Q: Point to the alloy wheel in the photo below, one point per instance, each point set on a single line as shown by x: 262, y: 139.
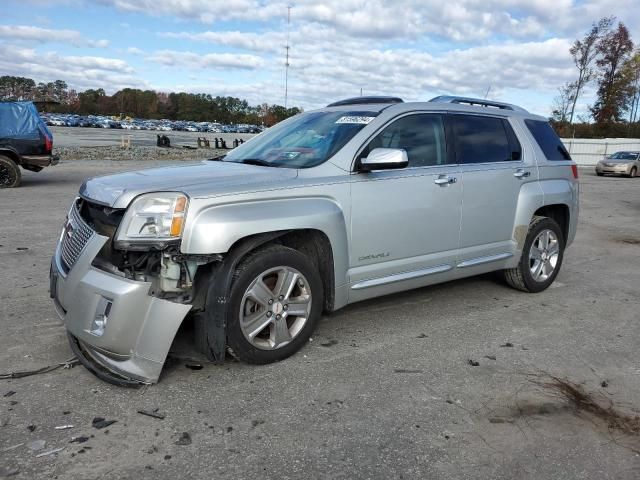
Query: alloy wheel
x: 275, y: 308
x: 543, y: 255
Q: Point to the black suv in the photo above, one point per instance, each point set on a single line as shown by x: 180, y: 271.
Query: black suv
x: 25, y: 141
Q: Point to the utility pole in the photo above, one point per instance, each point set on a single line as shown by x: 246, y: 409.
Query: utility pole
x: 286, y: 64
x: 487, y: 92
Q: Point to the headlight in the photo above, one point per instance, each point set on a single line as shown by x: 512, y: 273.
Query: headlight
x: 154, y: 219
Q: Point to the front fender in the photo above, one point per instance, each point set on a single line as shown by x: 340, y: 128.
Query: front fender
x: 214, y: 229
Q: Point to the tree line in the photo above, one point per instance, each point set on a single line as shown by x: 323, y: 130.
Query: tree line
x: 604, y: 58
x: 57, y: 97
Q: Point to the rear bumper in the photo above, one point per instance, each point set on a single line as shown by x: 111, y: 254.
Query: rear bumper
x: 40, y: 160
x: 139, y: 327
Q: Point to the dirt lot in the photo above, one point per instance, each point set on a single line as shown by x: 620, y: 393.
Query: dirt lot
x: 384, y: 390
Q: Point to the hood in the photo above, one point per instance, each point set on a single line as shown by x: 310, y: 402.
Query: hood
x: 208, y: 178
x: 617, y: 160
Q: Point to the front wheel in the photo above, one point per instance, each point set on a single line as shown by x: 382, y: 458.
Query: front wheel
x: 541, y: 257
x: 276, y: 300
x: 633, y: 172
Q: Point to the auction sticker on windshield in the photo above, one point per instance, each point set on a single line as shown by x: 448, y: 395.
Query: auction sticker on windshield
x: 355, y: 119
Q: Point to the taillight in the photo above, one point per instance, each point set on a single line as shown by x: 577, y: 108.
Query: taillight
x: 48, y: 143
x: 574, y: 169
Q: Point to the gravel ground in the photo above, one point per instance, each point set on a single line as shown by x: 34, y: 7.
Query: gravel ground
x: 136, y: 153
x: 92, y: 137
x: 384, y: 390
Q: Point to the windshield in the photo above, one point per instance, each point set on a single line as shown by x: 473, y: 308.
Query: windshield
x: 624, y: 156
x: 306, y: 140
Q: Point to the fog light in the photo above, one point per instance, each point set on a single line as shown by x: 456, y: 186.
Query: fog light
x: 101, y: 317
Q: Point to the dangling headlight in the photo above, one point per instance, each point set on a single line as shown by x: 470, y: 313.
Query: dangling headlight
x: 152, y: 220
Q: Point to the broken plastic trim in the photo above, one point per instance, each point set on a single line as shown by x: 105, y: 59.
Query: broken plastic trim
x: 98, y: 370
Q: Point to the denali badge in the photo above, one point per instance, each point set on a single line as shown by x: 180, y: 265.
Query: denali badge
x: 373, y: 256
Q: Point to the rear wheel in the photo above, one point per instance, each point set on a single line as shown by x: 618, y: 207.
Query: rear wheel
x: 10, y: 174
x: 276, y: 300
x: 600, y: 174
x: 541, y: 257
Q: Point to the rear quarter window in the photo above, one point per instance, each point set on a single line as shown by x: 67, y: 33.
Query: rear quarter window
x: 547, y: 139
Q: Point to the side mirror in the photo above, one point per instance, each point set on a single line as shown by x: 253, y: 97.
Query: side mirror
x: 384, y: 159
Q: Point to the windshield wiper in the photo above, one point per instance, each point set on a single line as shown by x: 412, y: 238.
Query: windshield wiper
x: 219, y: 158
x: 255, y: 161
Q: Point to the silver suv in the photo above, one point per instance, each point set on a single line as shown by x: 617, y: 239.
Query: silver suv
x: 367, y: 197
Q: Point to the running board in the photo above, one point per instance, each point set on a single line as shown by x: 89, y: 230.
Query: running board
x: 400, y: 277
x: 481, y: 260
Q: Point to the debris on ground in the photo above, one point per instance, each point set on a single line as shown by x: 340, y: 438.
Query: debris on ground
x: 99, y: 422
x: 582, y: 401
x: 490, y: 357
x: 50, y: 452
x: 473, y: 363
x: 330, y: 343
x: 604, y: 384
x: 152, y: 413
x: 37, y: 445
x: 50, y: 368
x: 31, y: 428
x: 80, y: 439
x: 185, y: 439
x: 508, y: 344
x: 12, y: 447
x: 404, y: 370
x: 9, y: 393
x: 63, y: 427
x: 422, y: 335
x: 194, y: 366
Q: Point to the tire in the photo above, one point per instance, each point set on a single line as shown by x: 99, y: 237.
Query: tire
x: 600, y: 174
x: 10, y: 175
x: 272, y: 267
x: 546, y: 267
x: 633, y: 172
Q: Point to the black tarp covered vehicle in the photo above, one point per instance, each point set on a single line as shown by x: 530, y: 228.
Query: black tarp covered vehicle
x: 25, y: 141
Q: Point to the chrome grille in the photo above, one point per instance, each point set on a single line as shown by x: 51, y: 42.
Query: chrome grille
x: 75, y: 236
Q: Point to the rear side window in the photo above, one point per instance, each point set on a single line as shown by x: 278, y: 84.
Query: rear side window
x: 421, y: 136
x: 479, y: 139
x: 547, y: 139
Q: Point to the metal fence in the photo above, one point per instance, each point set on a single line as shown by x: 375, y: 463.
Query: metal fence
x: 586, y: 151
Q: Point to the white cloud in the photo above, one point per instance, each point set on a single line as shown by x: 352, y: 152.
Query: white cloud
x: 196, y: 61
x: 47, y: 35
x: 80, y: 72
x: 135, y: 51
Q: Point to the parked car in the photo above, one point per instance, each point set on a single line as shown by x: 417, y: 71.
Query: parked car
x: 620, y: 163
x: 367, y: 197
x: 25, y: 141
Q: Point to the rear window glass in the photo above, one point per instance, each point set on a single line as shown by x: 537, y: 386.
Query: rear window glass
x: 482, y: 139
x: 547, y: 139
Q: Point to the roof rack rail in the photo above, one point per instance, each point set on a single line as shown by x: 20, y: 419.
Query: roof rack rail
x: 365, y: 101
x: 478, y: 102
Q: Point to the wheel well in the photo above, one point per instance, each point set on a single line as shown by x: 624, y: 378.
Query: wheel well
x: 313, y: 243
x: 12, y: 155
x: 559, y: 213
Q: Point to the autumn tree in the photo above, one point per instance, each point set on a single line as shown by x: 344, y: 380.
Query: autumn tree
x: 584, y: 52
x: 614, y: 49
x: 631, y: 73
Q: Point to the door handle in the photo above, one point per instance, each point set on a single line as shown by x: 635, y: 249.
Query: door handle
x: 445, y: 180
x: 521, y: 174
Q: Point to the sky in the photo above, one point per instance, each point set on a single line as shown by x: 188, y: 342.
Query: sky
x: 517, y: 51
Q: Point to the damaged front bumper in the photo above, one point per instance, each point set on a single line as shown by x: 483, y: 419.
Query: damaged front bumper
x: 116, y: 328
